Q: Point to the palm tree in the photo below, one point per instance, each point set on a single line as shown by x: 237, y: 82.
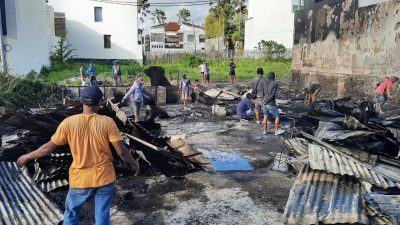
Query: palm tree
x: 143, y: 9
x: 158, y: 16
x: 184, y: 15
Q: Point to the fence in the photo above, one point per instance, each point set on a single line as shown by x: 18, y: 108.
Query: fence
x: 169, y: 57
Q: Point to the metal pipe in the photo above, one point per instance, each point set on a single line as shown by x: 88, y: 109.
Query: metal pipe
x: 3, y: 55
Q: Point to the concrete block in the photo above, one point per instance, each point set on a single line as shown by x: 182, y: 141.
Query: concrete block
x: 218, y: 110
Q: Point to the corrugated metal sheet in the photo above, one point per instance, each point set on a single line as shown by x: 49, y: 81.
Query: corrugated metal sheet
x: 322, y: 158
x: 317, y: 196
x: 389, y: 205
x: 21, y: 202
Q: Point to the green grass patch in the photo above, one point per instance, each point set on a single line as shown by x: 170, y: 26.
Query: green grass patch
x: 219, y: 70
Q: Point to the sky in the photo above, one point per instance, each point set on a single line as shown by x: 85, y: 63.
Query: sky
x: 198, y: 12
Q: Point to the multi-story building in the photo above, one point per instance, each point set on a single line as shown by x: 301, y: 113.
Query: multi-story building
x: 270, y: 20
x: 176, y: 37
x: 101, y: 30
x: 26, y: 35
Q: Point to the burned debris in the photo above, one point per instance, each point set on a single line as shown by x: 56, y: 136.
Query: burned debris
x: 348, y: 161
x: 169, y: 156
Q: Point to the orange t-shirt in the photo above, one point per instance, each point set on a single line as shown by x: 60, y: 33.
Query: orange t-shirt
x: 383, y: 86
x: 88, y: 136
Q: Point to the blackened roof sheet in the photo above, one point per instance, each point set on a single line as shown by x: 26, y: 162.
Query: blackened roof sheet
x: 21, y: 202
x: 318, y: 196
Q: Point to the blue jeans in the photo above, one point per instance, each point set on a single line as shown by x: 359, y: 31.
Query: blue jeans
x: 271, y: 109
x: 249, y: 113
x: 102, y: 200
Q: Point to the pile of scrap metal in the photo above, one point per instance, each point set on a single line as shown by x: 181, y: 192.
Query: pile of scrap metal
x: 172, y: 157
x: 349, y: 171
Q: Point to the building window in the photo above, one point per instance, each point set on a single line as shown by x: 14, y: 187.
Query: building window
x: 295, y: 5
x: 202, y: 38
x: 98, y: 14
x: 107, y: 41
x: 191, y: 38
x: 59, y: 24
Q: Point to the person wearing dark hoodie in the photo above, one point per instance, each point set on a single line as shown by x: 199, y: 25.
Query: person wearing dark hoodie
x: 257, y: 86
x: 270, y: 89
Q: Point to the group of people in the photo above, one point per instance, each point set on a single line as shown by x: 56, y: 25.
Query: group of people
x: 89, y: 76
x: 185, y: 86
x: 262, y: 99
x: 205, y: 72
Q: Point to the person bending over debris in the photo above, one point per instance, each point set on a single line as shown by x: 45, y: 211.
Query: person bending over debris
x: 245, y: 108
x: 270, y: 89
x: 257, y: 86
x: 184, y: 87
x: 384, y: 92
x: 232, y: 74
x: 311, y: 92
x: 137, y: 96
x: 117, y: 73
x: 92, y: 172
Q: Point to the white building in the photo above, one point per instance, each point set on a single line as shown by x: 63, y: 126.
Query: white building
x: 270, y: 20
x: 176, y: 37
x: 27, y: 35
x: 100, y: 30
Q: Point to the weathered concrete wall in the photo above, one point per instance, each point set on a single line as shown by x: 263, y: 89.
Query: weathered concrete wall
x: 346, y: 48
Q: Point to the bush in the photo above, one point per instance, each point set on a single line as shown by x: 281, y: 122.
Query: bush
x: 17, y: 93
x: 191, y: 61
x: 44, y: 71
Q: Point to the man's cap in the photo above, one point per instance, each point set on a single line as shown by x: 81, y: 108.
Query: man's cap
x: 91, y: 95
x: 394, y: 78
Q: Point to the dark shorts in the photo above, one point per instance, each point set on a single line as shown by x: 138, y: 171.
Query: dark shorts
x: 232, y: 73
x: 207, y: 76
x: 268, y: 109
x: 136, y: 106
x: 381, y: 98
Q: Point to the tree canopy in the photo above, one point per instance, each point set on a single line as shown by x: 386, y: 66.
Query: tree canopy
x: 184, y: 15
x: 226, y: 19
x: 159, y: 16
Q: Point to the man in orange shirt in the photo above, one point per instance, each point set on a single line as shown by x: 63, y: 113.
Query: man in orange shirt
x: 92, y: 171
x: 384, y: 91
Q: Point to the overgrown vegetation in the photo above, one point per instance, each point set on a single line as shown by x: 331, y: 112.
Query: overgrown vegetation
x: 188, y: 64
x: 272, y: 49
x: 27, y: 92
x: 61, y: 53
x: 191, y: 60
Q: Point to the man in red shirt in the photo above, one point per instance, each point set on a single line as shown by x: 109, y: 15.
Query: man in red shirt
x: 384, y: 91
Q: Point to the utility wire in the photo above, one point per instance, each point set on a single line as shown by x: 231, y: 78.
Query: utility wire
x: 172, y: 4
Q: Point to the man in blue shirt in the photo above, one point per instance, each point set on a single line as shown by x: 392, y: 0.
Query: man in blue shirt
x: 117, y: 73
x: 137, y: 94
x: 245, y: 108
x: 92, y: 73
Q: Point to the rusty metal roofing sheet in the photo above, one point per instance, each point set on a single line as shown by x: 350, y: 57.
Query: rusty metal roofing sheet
x: 389, y: 205
x: 320, y: 197
x: 322, y: 158
x: 21, y: 202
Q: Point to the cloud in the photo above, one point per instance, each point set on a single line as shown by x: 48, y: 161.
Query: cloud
x: 198, y: 12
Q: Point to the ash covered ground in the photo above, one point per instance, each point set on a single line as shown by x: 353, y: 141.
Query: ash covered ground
x: 248, y: 192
